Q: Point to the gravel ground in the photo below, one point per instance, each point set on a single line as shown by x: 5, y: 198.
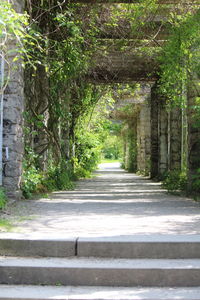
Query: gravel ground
x: 113, y: 203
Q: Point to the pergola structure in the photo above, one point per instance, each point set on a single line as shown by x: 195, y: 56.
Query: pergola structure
x: 133, y: 64
x: 160, y: 134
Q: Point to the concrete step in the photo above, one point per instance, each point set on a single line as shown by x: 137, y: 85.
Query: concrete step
x: 100, y: 272
x: 154, y: 246
x: 16, y: 292
x: 38, y: 247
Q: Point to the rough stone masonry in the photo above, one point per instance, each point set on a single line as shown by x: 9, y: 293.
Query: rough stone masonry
x: 13, y: 120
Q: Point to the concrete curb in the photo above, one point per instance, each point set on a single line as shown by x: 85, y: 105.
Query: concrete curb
x: 118, y: 247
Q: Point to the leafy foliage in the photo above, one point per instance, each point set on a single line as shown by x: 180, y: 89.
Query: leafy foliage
x: 196, y: 182
x: 11, y: 24
x: 63, y: 135
x: 3, y: 198
x: 31, y: 180
x: 181, y: 56
x: 58, y: 178
x: 175, y: 181
x: 111, y: 148
x: 179, y: 82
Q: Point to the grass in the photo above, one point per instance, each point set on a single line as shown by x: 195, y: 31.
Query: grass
x: 26, y: 218
x: 5, y: 225
x: 103, y: 161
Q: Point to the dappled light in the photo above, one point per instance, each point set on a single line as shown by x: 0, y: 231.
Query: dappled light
x: 100, y: 149
x: 114, y: 203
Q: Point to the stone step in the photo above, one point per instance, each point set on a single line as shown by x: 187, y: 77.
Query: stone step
x: 154, y: 246
x: 100, y: 272
x: 17, y: 292
x: 38, y: 247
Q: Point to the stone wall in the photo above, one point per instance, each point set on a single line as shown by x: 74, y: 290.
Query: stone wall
x: 13, y: 120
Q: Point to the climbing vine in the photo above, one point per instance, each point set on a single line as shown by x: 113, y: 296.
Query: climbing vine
x: 63, y: 41
x: 179, y: 82
x: 60, y: 42
x: 180, y: 56
x: 11, y: 24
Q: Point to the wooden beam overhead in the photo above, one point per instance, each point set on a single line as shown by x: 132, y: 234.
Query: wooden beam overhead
x: 100, y: 76
x: 151, y: 30
x: 116, y: 44
x: 119, y: 67
x: 112, y: 66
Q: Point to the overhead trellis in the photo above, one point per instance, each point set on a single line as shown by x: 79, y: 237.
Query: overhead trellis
x: 78, y: 50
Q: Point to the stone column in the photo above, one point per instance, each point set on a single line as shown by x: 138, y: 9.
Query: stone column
x: 143, y: 139
x: 163, y: 139
x: 37, y: 104
x: 154, y: 132
x: 125, y: 151
x: 13, y: 146
x: 175, y: 139
x: 140, y: 146
x: 193, y: 133
x: 131, y: 146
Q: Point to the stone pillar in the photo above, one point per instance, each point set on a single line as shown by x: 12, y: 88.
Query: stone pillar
x: 131, y: 146
x: 125, y: 151
x: 140, y: 145
x: 163, y: 139
x: 154, y: 132
x: 193, y: 133
x: 175, y: 139
x: 159, y: 134
x: 143, y: 139
x: 13, y: 121
x: 37, y: 104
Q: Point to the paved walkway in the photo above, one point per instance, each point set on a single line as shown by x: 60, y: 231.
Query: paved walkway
x: 114, y: 203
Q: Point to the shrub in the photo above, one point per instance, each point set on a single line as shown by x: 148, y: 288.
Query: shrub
x: 88, y: 154
x: 3, y: 198
x: 59, y: 178
x: 30, y: 181
x: 175, y: 181
x: 80, y: 172
x: 196, y: 182
x: 56, y: 178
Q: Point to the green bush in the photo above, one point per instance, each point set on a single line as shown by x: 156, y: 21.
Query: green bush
x: 196, y: 182
x: 59, y: 178
x: 175, y: 181
x: 30, y: 181
x: 112, y: 148
x: 3, y: 198
x: 88, y: 154
x: 56, y: 178
x: 80, y: 172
